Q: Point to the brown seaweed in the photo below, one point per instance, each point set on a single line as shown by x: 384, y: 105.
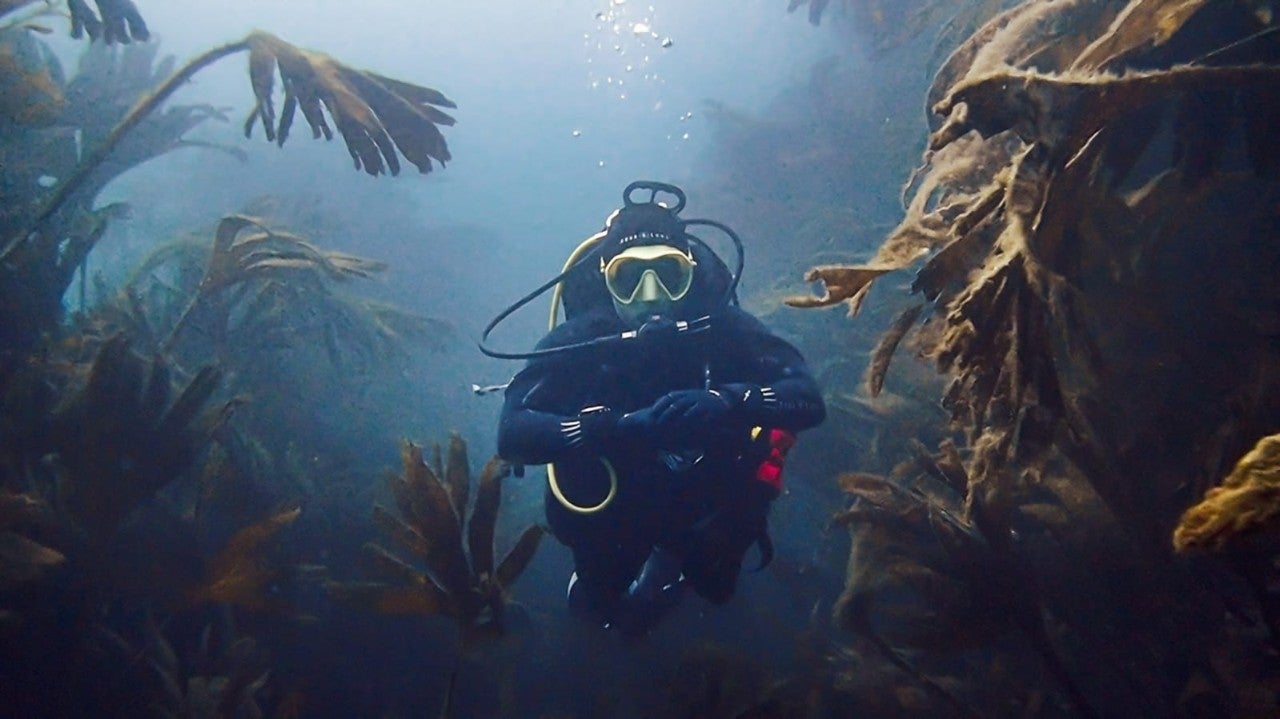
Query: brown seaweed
x: 125, y: 434
x: 239, y: 574
x: 238, y: 257
x: 1246, y: 503
x: 842, y: 284
x: 376, y: 115
x: 1031, y: 106
x: 116, y: 21
x: 883, y: 353
x: 1088, y: 215
x: 924, y: 579
x: 883, y: 517
x: 463, y: 584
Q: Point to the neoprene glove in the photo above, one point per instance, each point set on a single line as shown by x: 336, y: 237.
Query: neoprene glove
x: 684, y: 418
x: 595, y: 428
x: 689, y: 409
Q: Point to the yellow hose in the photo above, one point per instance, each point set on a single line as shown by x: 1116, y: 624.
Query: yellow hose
x: 574, y: 256
x: 559, y: 495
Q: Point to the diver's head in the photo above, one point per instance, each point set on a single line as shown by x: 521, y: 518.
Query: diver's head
x: 647, y: 263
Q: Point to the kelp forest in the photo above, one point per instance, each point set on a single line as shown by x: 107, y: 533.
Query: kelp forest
x: 1024, y: 247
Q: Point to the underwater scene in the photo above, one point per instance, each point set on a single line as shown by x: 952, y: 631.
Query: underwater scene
x: 640, y: 359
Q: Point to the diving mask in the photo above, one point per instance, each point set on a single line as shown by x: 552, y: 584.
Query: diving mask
x: 649, y: 273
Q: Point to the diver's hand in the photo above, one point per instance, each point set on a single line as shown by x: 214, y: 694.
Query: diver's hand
x: 690, y: 409
x: 595, y: 428
x: 684, y: 419
x: 637, y: 424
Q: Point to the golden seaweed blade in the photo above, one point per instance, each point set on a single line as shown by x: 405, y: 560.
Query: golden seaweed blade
x: 461, y: 583
x: 882, y: 355
x: 841, y: 283
x: 1244, y: 506
x: 241, y: 573
x: 375, y: 115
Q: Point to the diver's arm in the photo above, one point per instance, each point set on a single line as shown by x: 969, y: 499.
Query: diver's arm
x: 528, y: 435
x: 784, y: 394
x: 792, y: 401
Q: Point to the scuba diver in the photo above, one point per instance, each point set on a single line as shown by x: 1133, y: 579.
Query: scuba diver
x: 662, y: 410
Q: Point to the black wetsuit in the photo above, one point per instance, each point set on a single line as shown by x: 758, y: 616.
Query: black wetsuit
x: 710, y: 510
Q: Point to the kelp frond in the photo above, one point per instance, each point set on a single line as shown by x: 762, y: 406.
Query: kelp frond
x: 245, y: 250
x: 842, y: 283
x: 1247, y: 502
x: 1045, y: 111
x: 116, y: 21
x: 376, y: 115
x: 461, y: 583
x: 926, y: 576
x: 126, y: 434
x: 237, y: 257
x: 883, y: 352
x: 240, y: 573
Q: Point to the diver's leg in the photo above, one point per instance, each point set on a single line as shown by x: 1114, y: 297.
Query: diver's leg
x: 715, y: 548
x: 608, y: 548
x: 659, y: 585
